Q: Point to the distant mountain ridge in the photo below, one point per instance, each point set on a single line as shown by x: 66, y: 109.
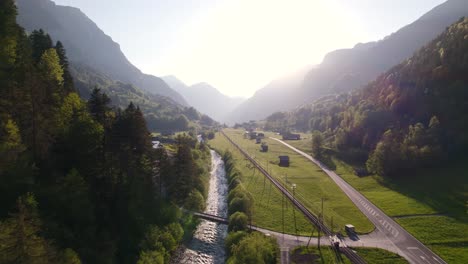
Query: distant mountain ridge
x: 205, y: 98
x: 87, y: 44
x: 348, y: 69
x: 275, y: 96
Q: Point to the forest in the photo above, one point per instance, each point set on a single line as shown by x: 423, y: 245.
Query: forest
x: 80, y: 181
x: 408, y: 118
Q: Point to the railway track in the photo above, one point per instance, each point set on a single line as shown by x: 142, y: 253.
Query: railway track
x: 349, y: 253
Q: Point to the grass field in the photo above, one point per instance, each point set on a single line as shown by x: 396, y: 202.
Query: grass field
x: 380, y: 256
x: 267, y: 206
x: 312, y: 184
x: 301, y: 255
x: 444, y: 235
x: 443, y: 190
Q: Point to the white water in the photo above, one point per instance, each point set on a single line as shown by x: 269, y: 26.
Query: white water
x: 207, y: 245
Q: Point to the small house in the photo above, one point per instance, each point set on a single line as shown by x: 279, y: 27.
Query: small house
x: 284, y: 161
x: 258, y: 140
x: 253, y: 135
x: 264, y: 147
x: 361, y: 172
x: 291, y: 136
x: 260, y: 135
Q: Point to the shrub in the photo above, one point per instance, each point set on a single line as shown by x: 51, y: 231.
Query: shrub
x: 238, y: 222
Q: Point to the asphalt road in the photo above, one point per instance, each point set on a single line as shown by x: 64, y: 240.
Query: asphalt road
x: 407, y: 246
x: 353, y: 256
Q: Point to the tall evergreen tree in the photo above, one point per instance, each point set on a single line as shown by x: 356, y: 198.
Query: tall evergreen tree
x: 99, y: 106
x: 20, y: 241
x: 67, y: 78
x: 40, y: 43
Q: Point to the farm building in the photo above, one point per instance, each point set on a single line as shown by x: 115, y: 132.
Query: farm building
x: 258, y: 140
x: 284, y: 161
x: 291, y: 136
x: 264, y: 147
x: 253, y: 135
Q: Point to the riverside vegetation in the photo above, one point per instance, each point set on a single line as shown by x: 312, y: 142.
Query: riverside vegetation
x: 242, y: 245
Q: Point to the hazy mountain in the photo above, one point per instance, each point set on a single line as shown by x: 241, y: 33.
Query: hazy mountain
x: 348, y: 69
x: 87, y: 44
x: 410, y: 116
x: 205, y: 98
x: 278, y: 95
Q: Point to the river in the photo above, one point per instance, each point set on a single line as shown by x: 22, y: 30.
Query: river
x: 207, y: 245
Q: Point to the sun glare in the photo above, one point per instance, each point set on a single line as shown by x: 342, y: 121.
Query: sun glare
x: 248, y: 42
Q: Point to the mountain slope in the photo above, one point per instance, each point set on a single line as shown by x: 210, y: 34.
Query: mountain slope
x: 278, y: 95
x: 348, y: 69
x: 410, y: 125
x: 205, y: 98
x: 420, y: 103
x: 87, y: 44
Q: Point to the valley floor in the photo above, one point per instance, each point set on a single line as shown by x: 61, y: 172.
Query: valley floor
x: 433, y: 206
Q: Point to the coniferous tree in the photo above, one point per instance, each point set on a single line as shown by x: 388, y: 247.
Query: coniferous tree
x: 67, y: 78
x: 20, y: 241
x: 40, y: 43
x: 99, y: 106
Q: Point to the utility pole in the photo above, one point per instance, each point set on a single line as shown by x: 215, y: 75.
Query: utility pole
x: 294, y: 210
x: 282, y: 212
x: 320, y: 223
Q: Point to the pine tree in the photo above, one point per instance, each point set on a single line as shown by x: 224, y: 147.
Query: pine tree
x: 8, y: 31
x: 40, y: 43
x: 19, y: 236
x: 99, y: 107
x: 67, y: 78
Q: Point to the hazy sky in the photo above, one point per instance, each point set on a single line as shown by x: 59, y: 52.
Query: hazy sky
x: 238, y: 46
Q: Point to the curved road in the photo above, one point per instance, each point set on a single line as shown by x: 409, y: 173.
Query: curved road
x: 407, y: 245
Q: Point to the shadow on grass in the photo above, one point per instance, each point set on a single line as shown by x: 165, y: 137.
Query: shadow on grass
x: 444, y: 188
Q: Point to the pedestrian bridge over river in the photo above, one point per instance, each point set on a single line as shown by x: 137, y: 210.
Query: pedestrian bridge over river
x: 210, y: 217
x: 225, y: 221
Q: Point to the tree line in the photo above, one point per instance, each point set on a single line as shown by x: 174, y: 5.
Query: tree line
x: 242, y: 245
x: 80, y: 181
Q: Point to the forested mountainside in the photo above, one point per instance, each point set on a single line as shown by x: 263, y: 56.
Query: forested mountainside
x: 88, y: 45
x: 80, y: 182
x: 161, y: 113
x: 205, y: 98
x: 408, y: 117
x: 96, y: 61
x: 348, y: 69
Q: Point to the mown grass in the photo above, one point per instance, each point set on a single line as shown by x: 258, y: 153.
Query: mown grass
x: 325, y: 255
x: 303, y: 255
x: 446, y: 236
x: 268, y: 201
x: 312, y: 184
x: 380, y: 256
x: 441, y: 190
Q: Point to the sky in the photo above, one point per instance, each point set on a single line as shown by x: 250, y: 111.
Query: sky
x: 239, y: 46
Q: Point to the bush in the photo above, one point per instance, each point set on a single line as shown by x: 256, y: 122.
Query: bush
x: 239, y: 204
x: 195, y: 201
x: 152, y: 257
x: 254, y: 249
x: 232, y: 239
x: 158, y: 243
x: 238, y: 222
